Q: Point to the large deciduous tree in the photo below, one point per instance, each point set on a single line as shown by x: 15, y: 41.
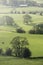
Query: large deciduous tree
x: 19, y: 44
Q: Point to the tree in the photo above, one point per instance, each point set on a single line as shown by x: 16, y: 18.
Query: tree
x: 27, y: 19
x: 8, y: 20
x: 41, y: 13
x: 18, y: 45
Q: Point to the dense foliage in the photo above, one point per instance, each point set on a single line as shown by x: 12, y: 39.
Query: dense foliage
x: 37, y: 29
x: 19, y: 44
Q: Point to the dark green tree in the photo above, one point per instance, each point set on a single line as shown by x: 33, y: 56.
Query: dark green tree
x: 18, y: 45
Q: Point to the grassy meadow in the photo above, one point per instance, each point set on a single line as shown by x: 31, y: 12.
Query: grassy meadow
x: 35, y: 41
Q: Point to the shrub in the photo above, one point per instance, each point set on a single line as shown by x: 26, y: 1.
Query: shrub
x: 26, y: 53
x: 39, y: 32
x: 20, y: 31
x: 1, y: 51
x: 2, y: 42
x: 32, y: 31
x: 8, y: 52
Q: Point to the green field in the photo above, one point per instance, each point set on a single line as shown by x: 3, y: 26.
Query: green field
x: 18, y: 19
x: 29, y: 9
x: 5, y: 9
x: 18, y: 61
x: 35, y: 41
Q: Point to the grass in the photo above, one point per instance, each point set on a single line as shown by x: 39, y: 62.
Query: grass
x: 5, y: 9
x: 35, y: 41
x: 18, y: 19
x: 18, y: 61
x: 29, y: 9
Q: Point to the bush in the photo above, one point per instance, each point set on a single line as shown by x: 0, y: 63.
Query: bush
x: 37, y: 29
x: 36, y: 32
x: 2, y: 42
x: 39, y: 32
x: 20, y: 31
x: 8, y: 52
x: 26, y: 53
x: 32, y: 31
x: 1, y: 51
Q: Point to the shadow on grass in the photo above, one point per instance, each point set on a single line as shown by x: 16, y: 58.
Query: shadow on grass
x: 36, y: 58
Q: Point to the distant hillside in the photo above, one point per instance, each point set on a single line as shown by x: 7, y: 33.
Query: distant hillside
x: 17, y: 3
x: 40, y: 1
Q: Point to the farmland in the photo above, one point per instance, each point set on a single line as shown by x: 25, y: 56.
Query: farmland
x: 35, y: 41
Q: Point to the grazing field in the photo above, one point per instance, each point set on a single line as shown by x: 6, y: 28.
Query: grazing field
x: 19, y: 20
x: 18, y: 61
x: 35, y: 42
x: 7, y: 33
x: 29, y: 9
x: 5, y: 9
x: 35, y: 45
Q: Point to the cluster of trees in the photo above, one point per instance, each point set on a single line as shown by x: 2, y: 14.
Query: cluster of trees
x: 27, y: 12
x: 19, y: 48
x: 6, y: 20
x: 27, y: 19
x: 37, y: 29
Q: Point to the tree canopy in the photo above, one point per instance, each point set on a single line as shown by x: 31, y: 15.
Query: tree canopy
x: 18, y: 44
x: 6, y: 20
x: 27, y: 19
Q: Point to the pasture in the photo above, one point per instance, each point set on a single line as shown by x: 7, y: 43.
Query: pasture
x: 35, y: 45
x: 18, y: 61
x: 35, y: 41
